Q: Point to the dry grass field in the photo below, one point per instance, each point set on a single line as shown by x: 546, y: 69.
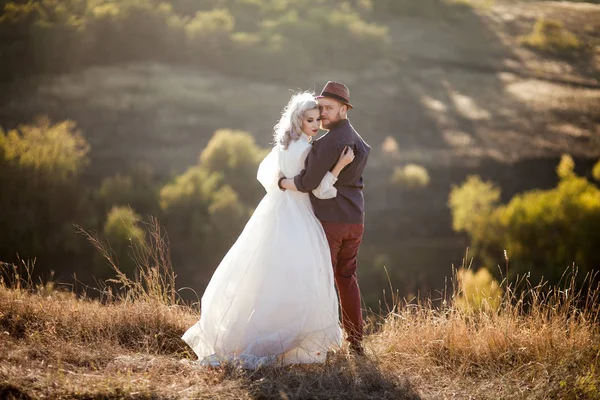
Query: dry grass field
x: 533, y: 342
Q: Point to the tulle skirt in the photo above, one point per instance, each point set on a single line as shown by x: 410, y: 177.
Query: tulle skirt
x: 272, y: 300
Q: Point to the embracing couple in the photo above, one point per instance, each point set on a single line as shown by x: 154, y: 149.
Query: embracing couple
x: 272, y: 299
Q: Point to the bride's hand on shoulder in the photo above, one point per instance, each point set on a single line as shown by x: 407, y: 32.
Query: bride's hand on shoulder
x: 346, y: 157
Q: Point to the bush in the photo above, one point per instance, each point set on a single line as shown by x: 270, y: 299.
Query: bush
x: 543, y: 231
x: 471, y: 205
x: 411, y: 176
x: 596, y: 171
x: 39, y: 169
x: 250, y: 38
x: 236, y: 156
x: 125, y: 238
x: 477, y: 291
x: 551, y: 37
x: 390, y: 149
x: 135, y: 189
x: 203, y: 217
x: 131, y: 30
x: 206, y: 207
x: 209, y: 36
x: 56, y: 151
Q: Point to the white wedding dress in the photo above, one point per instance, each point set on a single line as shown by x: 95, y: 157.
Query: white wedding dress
x: 272, y: 299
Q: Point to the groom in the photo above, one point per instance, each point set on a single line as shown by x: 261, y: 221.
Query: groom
x: 343, y: 216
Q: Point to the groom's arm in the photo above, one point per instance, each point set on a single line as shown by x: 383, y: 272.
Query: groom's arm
x: 321, y: 159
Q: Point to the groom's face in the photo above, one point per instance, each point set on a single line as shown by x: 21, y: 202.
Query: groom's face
x: 332, y: 112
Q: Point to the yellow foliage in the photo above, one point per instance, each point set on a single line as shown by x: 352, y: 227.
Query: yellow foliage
x: 207, y: 23
x: 58, y: 150
x: 550, y: 36
x: 412, y: 176
x: 566, y: 166
x: 122, y: 224
x: 125, y: 237
x: 588, y: 385
x: 195, y: 186
x: 542, y: 230
x: 596, y: 171
x: 236, y: 156
x: 477, y: 291
x: 471, y: 203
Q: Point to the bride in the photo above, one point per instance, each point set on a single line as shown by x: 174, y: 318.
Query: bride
x: 272, y: 300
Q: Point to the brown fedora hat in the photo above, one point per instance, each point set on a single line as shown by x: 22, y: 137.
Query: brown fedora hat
x: 337, y: 91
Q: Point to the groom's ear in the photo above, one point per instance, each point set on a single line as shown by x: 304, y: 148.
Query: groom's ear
x: 344, y: 110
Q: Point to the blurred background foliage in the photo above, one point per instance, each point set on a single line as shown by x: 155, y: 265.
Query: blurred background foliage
x: 237, y: 36
x: 542, y: 230
x: 76, y: 170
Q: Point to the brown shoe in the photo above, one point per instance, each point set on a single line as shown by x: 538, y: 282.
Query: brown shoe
x: 356, y: 349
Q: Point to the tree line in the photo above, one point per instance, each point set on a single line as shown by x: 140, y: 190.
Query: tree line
x: 45, y: 199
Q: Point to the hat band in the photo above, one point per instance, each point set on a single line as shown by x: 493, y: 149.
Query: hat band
x: 334, y: 96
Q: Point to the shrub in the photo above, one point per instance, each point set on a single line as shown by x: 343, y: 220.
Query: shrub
x: 551, y: 37
x: 236, y: 156
x: 203, y: 217
x: 57, y: 151
x: 39, y: 169
x: 390, y: 148
x: 543, y: 231
x: 471, y: 205
x: 125, y: 237
x: 135, y: 189
x: 477, y: 291
x: 596, y: 171
x: 243, y: 37
x: 209, y: 35
x: 411, y: 176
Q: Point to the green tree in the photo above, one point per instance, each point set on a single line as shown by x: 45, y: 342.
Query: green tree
x: 203, y: 217
x: 543, y: 231
x: 236, y: 156
x: 42, y: 199
x: 136, y: 189
x: 471, y: 205
x: 246, y: 37
x: 206, y: 207
x: 125, y: 238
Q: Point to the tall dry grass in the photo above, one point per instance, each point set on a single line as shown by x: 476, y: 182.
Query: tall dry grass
x: 537, y: 342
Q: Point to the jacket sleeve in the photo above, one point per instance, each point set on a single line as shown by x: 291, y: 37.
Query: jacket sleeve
x: 322, y: 158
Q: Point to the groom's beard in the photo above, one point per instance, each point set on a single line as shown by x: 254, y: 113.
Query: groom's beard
x: 330, y: 125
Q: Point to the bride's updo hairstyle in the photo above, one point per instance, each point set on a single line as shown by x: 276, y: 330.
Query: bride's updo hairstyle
x: 289, y: 127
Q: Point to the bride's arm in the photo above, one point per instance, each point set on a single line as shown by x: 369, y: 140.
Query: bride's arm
x: 287, y: 184
x: 326, y: 190
x: 346, y: 158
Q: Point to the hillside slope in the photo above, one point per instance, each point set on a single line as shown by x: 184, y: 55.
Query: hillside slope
x: 454, y: 88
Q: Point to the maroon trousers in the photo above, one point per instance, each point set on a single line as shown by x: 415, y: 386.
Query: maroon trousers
x: 344, y: 240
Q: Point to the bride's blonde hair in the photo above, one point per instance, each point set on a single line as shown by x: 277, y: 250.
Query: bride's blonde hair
x: 289, y: 127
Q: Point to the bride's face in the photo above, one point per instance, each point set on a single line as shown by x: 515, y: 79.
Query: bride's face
x: 310, y: 122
